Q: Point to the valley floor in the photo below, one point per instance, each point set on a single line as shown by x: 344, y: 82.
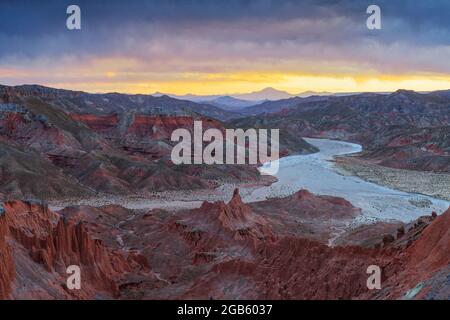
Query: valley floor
x: 436, y: 185
x: 378, y: 203
x: 168, y: 200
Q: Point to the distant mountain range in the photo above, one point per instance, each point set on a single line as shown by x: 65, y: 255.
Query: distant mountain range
x: 83, y: 102
x: 267, y: 94
x: 239, y: 101
x: 232, y: 104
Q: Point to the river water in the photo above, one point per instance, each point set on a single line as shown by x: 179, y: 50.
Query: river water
x: 316, y: 173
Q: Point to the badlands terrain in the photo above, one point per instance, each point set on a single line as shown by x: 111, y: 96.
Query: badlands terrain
x: 86, y: 179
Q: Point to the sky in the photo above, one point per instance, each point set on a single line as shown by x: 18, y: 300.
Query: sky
x: 224, y: 47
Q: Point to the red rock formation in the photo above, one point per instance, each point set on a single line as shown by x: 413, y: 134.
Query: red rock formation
x: 235, y: 220
x: 37, y: 133
x: 56, y: 242
x: 239, y: 218
x: 143, y: 126
x: 426, y: 256
x: 307, y: 215
x: 161, y: 127
x: 102, y: 124
x: 7, y: 269
x: 312, y: 206
x: 298, y: 268
x: 432, y: 250
x: 306, y: 205
x: 315, y: 271
x: 221, y: 250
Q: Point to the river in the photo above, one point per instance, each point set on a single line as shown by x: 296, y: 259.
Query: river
x: 317, y: 173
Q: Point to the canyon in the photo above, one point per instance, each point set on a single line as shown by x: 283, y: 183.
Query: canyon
x: 308, y: 232
x: 221, y: 250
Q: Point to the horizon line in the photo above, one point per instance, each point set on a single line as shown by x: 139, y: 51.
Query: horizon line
x: 313, y: 92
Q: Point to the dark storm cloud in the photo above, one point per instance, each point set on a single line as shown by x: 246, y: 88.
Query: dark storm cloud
x: 217, y: 36
x: 38, y: 27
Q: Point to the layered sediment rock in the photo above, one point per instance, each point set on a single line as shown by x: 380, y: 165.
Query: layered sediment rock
x: 56, y: 243
x: 113, y: 153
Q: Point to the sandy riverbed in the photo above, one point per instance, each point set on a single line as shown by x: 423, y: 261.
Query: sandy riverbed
x: 436, y: 185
